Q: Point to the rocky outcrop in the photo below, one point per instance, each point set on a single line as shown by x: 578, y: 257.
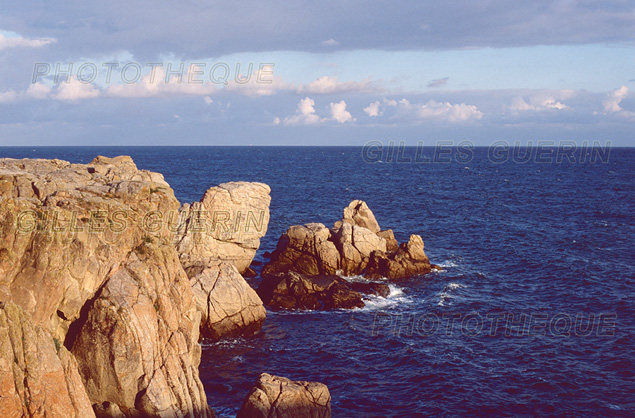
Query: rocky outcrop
x: 355, y: 245
x: 279, y: 397
x: 226, y: 225
x: 230, y: 307
x: 87, y: 253
x: 408, y: 260
x: 38, y: 376
x: 319, y: 292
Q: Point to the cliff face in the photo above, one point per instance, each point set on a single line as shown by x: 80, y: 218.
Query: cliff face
x: 97, y: 309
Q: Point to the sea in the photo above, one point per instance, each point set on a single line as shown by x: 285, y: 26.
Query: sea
x: 532, y: 315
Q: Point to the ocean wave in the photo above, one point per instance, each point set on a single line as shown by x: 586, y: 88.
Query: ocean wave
x: 446, y: 295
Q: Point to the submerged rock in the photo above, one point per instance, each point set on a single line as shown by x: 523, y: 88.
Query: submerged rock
x: 279, y: 397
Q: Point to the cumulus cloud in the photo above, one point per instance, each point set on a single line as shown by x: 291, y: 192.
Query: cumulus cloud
x: 448, y: 112
x: 38, y: 91
x: 305, y: 114
x: 74, y: 90
x: 332, y: 85
x: 536, y: 103
x: 441, y: 82
x: 339, y: 112
x: 613, y: 100
x: 373, y: 109
x: 8, y: 96
x: 20, y: 42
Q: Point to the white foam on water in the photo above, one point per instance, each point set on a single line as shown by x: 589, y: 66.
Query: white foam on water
x: 448, y: 263
x: 394, y: 298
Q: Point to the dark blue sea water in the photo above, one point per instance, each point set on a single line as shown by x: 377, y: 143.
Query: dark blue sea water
x: 534, y: 314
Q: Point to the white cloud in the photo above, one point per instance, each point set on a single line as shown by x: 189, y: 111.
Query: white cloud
x: 8, y: 96
x: 74, y: 90
x: 339, y: 112
x: 20, y: 42
x: 331, y: 85
x: 208, y: 100
x: 154, y: 84
x: 38, y: 91
x: 373, y: 109
x: 541, y: 101
x: 613, y: 100
x: 431, y: 110
x: 448, y: 112
x: 330, y: 42
x: 305, y: 114
x: 261, y: 83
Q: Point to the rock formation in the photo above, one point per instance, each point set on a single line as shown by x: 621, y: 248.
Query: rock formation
x: 229, y: 305
x: 319, y: 292
x: 279, y: 397
x: 355, y: 245
x: 226, y: 225
x: 88, y: 264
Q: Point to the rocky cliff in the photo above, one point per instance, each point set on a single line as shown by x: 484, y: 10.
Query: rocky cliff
x: 97, y: 312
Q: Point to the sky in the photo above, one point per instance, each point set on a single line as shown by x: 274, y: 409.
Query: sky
x: 206, y: 72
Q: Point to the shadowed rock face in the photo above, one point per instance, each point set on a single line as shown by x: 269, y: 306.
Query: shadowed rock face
x: 355, y: 245
x: 279, y: 397
x: 226, y: 225
x: 296, y: 291
x: 87, y: 254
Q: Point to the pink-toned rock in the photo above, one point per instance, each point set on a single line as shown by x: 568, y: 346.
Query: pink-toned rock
x: 356, y: 245
x: 38, y: 376
x: 226, y: 225
x: 137, y: 348
x: 230, y: 307
x: 279, y: 397
x: 409, y: 260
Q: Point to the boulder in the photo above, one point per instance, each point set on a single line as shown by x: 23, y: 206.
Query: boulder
x: 357, y: 213
x: 226, y: 225
x: 279, y: 397
x: 409, y: 260
x: 229, y: 306
x: 317, y: 292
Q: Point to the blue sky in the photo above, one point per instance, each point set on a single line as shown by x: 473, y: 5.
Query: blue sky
x: 203, y: 72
